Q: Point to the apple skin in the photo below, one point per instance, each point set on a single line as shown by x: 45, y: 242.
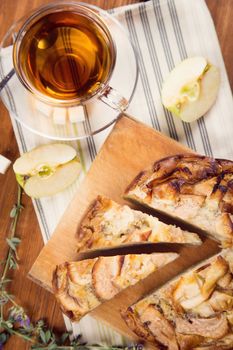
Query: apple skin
x: 190, y: 93
x: 20, y: 179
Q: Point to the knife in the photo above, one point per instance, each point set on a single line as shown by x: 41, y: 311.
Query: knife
x: 137, y: 248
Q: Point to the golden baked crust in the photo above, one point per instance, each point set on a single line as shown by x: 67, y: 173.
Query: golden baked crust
x: 83, y: 285
x: 108, y: 224
x: 196, y: 189
x: 195, y: 311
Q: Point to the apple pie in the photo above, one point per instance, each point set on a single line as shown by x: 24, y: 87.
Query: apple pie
x: 193, y: 188
x: 83, y: 285
x: 194, y: 311
x: 109, y: 224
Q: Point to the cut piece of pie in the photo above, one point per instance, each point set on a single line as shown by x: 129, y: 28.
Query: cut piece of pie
x: 83, y: 285
x: 109, y: 224
x: 194, y: 311
x: 195, y: 189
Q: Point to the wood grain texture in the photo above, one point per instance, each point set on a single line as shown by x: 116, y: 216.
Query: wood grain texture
x: 130, y: 147
x: 26, y: 291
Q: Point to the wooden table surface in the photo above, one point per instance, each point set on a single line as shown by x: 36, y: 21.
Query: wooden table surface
x: 38, y: 302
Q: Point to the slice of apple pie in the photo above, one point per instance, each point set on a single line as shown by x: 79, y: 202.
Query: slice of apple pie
x: 83, y: 285
x: 195, y: 311
x: 196, y: 189
x: 109, y: 224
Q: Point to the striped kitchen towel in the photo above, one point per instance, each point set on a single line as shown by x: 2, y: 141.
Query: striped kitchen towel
x: 164, y: 32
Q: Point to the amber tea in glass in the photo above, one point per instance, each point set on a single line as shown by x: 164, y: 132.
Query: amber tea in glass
x: 64, y: 54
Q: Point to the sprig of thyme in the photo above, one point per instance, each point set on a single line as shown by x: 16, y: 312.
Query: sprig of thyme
x: 17, y: 322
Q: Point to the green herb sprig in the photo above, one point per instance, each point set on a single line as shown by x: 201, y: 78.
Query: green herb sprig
x: 16, y: 321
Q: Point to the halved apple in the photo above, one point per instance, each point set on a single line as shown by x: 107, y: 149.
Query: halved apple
x: 191, y: 88
x: 47, y: 170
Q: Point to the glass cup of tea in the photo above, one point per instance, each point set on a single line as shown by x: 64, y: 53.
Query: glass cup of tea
x: 65, y: 55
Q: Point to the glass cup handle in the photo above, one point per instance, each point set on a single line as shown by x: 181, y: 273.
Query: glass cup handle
x: 113, y: 99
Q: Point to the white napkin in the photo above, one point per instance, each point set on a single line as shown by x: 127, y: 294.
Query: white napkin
x: 164, y: 33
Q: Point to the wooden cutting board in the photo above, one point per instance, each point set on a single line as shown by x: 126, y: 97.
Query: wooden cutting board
x: 131, y: 147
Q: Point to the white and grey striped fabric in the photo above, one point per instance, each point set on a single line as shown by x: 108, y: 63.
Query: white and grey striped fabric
x: 164, y: 32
